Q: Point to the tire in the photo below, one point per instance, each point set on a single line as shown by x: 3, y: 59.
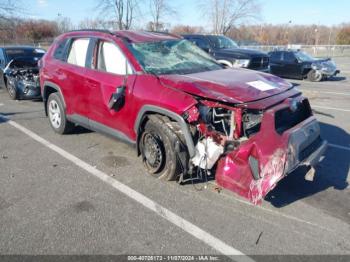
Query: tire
x: 314, y: 76
x: 57, y: 115
x: 12, y: 90
x: 159, y: 145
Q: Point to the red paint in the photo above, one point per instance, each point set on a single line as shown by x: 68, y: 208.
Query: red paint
x: 270, y: 148
x: 229, y: 85
x: 87, y: 92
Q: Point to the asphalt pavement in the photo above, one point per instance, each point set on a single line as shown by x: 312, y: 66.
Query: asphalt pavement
x: 58, y: 195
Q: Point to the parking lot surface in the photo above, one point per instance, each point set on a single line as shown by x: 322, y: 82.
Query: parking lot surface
x: 57, y: 194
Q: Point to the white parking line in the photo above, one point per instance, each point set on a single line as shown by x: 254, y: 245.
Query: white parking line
x: 1, y: 104
x: 331, y: 108
x: 182, y: 223
x: 339, y: 147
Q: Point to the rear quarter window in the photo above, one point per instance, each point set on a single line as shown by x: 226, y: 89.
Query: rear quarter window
x: 59, y: 52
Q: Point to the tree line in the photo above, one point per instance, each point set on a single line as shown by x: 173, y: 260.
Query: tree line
x: 234, y: 18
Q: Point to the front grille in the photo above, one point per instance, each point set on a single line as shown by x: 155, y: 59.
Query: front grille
x: 261, y: 62
x: 286, y: 118
x: 310, y: 149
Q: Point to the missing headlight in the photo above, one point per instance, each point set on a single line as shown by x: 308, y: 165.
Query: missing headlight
x: 251, y: 122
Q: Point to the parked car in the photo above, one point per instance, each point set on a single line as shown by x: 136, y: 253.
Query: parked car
x: 228, y: 53
x: 183, y: 110
x: 19, y: 72
x: 300, y: 65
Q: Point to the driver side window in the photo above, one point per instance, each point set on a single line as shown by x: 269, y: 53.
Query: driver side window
x: 110, y: 59
x: 289, y: 57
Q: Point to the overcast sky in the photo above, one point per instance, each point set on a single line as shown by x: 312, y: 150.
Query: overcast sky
x: 328, y: 12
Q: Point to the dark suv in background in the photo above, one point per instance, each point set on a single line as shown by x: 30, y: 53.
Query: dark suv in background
x: 300, y: 65
x: 228, y: 53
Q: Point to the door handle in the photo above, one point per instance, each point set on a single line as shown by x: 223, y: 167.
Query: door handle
x: 91, y: 83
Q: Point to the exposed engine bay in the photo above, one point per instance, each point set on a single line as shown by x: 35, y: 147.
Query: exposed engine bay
x: 250, y: 150
x: 22, y: 77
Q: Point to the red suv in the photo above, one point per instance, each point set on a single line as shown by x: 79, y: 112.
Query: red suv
x: 186, y: 114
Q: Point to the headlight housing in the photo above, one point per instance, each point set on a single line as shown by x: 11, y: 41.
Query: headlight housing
x: 241, y: 63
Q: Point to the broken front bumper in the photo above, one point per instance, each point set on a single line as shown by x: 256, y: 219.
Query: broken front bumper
x: 28, y: 89
x: 255, y: 167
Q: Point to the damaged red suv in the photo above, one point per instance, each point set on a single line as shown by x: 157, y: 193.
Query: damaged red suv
x: 182, y: 109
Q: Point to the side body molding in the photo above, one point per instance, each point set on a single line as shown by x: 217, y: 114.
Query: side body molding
x: 184, y: 127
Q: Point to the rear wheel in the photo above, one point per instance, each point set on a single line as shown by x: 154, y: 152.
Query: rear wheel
x: 314, y: 76
x: 57, y: 115
x: 158, y: 144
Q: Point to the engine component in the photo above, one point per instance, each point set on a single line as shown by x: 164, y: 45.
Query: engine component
x: 219, y: 119
x: 207, y: 153
x: 23, y: 76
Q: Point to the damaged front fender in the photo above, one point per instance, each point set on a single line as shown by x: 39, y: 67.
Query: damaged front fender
x: 277, y: 154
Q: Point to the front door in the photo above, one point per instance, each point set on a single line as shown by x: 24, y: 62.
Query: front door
x: 109, y: 70
x: 291, y: 65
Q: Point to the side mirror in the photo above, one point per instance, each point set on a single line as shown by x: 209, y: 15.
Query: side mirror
x: 297, y: 61
x: 117, y: 100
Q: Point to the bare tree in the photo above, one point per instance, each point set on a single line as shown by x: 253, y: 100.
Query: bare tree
x: 95, y: 24
x: 64, y: 24
x: 159, y: 9
x: 124, y: 11
x: 7, y: 9
x: 225, y: 14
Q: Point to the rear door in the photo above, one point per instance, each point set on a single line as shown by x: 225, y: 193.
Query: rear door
x: 109, y: 70
x: 72, y: 79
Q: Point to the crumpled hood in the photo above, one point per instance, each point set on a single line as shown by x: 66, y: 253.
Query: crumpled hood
x: 229, y: 85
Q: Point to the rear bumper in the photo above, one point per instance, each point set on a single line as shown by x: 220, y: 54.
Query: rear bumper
x: 275, y: 155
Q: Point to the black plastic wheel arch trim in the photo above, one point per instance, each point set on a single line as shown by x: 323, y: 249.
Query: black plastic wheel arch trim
x: 150, y: 109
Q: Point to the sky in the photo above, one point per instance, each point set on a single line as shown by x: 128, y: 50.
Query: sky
x: 324, y: 12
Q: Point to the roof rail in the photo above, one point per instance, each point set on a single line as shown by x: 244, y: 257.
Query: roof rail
x: 93, y: 30
x: 103, y: 31
x: 165, y: 33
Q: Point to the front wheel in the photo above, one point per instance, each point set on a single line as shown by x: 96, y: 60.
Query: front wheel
x: 158, y: 144
x: 12, y: 90
x: 57, y: 115
x: 314, y: 76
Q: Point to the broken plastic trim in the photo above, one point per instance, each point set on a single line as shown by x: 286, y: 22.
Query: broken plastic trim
x: 254, y: 167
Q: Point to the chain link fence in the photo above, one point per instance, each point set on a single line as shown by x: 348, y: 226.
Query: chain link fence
x: 315, y: 50
x: 42, y: 44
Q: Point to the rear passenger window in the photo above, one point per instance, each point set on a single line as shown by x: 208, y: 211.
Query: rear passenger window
x: 78, y: 52
x: 59, y: 51
x: 110, y: 59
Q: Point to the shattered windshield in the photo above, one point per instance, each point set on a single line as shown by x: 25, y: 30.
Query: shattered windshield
x: 222, y: 42
x: 304, y: 56
x: 173, y: 57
